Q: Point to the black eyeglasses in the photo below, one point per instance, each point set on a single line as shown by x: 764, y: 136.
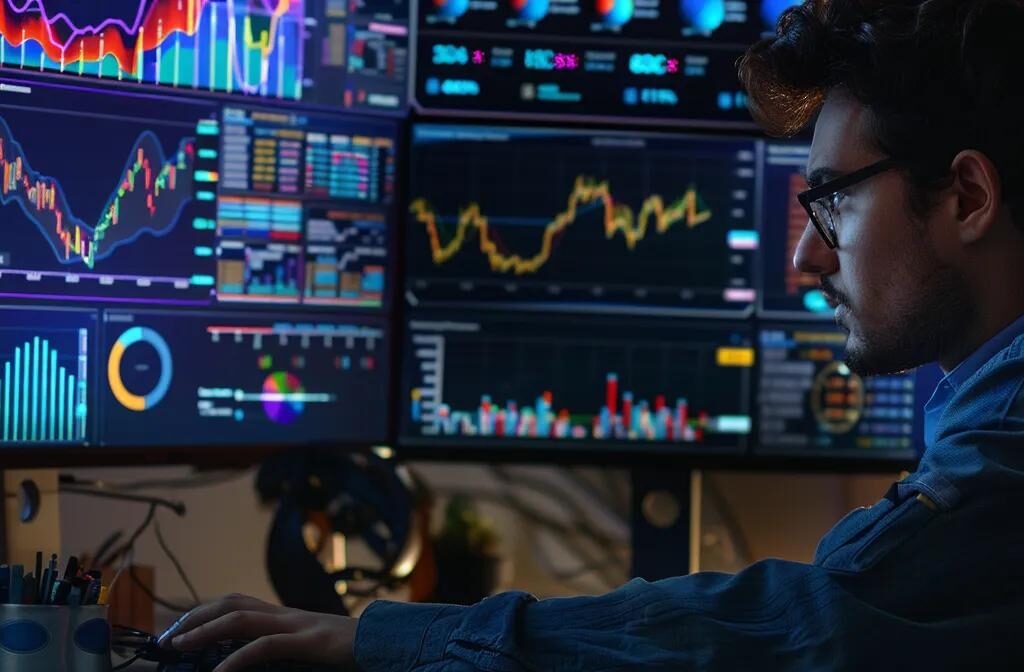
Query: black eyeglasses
x: 822, y: 202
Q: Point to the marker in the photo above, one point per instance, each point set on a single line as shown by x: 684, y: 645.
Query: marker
x: 17, y: 584
x: 71, y: 571
x: 30, y: 590
x: 5, y: 584
x: 92, y: 592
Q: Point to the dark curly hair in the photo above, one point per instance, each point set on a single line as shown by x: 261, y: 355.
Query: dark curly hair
x: 938, y: 76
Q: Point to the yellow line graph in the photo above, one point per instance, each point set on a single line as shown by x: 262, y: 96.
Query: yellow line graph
x: 618, y: 218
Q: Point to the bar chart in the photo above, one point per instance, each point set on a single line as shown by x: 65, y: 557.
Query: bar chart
x: 44, y: 374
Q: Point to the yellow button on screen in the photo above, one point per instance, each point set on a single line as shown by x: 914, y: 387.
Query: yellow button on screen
x: 735, y: 356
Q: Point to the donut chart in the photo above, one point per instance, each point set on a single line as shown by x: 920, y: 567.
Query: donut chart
x: 451, y: 9
x: 837, y: 398
x: 282, y: 397
x: 530, y: 10
x: 704, y: 16
x: 615, y: 13
x: 130, y: 338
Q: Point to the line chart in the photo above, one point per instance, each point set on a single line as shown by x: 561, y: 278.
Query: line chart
x: 618, y: 219
x: 558, y: 219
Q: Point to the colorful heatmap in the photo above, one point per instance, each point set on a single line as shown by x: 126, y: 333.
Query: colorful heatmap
x: 148, y: 198
x: 236, y: 46
x: 587, y: 194
x: 621, y: 417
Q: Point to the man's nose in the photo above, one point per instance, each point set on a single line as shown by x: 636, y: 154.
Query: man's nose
x: 813, y: 255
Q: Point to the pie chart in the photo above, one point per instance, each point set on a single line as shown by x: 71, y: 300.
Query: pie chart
x: 615, y: 13
x: 451, y: 9
x: 282, y: 397
x: 530, y: 10
x: 771, y: 10
x: 704, y: 16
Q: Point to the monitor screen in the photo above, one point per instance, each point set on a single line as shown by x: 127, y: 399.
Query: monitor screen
x: 504, y: 380
x: 579, y: 289
x: 594, y: 291
x: 811, y: 403
x: 336, y: 53
x: 178, y: 272
x: 665, y: 61
x: 557, y: 220
x: 785, y: 291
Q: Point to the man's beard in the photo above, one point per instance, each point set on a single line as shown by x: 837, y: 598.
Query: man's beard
x: 920, y: 333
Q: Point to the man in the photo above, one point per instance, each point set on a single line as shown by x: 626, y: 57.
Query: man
x: 917, y: 234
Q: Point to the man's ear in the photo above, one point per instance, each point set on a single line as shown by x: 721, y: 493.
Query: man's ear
x: 979, y: 193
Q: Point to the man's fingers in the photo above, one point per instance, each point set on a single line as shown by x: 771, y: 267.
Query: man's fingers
x: 267, y: 649
x: 212, y: 611
x: 242, y: 625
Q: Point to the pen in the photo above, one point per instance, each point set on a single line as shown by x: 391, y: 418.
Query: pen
x: 39, y: 565
x: 43, y: 596
x: 5, y: 584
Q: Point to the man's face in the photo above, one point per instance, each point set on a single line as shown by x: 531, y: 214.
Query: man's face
x: 902, y: 304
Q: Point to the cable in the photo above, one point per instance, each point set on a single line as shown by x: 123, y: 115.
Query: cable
x: 153, y: 596
x: 128, y: 663
x: 582, y: 520
x: 174, y: 560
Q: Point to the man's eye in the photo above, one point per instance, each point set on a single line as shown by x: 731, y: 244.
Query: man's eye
x: 835, y: 199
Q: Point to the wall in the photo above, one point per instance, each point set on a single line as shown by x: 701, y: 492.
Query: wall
x: 220, y: 543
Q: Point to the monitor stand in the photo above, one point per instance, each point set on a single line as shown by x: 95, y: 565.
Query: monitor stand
x: 665, y: 522
x: 30, y: 520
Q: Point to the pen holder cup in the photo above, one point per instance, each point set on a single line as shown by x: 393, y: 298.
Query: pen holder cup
x: 39, y: 638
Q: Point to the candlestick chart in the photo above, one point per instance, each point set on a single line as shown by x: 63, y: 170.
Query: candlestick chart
x: 560, y: 218
x: 150, y: 195
x: 115, y: 212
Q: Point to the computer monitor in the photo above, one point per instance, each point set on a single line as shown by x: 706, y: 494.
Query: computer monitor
x: 668, y: 62
x: 331, y: 53
x: 592, y: 294
x: 180, y: 272
x: 579, y: 290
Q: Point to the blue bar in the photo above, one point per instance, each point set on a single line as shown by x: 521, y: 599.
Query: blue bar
x: 35, y: 388
x: 25, y: 400
x: 7, y: 402
x: 43, y: 365
x: 16, y: 383
x: 60, y: 423
x: 53, y: 394
x: 71, y: 408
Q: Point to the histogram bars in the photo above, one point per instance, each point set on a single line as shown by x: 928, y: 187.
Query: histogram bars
x: 44, y: 402
x: 622, y: 417
x: 245, y: 46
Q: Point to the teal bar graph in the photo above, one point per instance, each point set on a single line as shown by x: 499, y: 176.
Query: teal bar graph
x: 43, y: 384
x: 53, y: 392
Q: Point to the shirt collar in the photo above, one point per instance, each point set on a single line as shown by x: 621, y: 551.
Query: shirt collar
x: 977, y: 359
x: 952, y: 381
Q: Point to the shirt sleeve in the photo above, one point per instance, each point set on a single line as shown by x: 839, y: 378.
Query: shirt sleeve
x: 776, y: 611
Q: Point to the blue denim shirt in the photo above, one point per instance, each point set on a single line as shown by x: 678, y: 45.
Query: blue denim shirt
x: 931, y: 577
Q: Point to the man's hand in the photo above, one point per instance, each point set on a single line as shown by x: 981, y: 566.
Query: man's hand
x: 274, y: 633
